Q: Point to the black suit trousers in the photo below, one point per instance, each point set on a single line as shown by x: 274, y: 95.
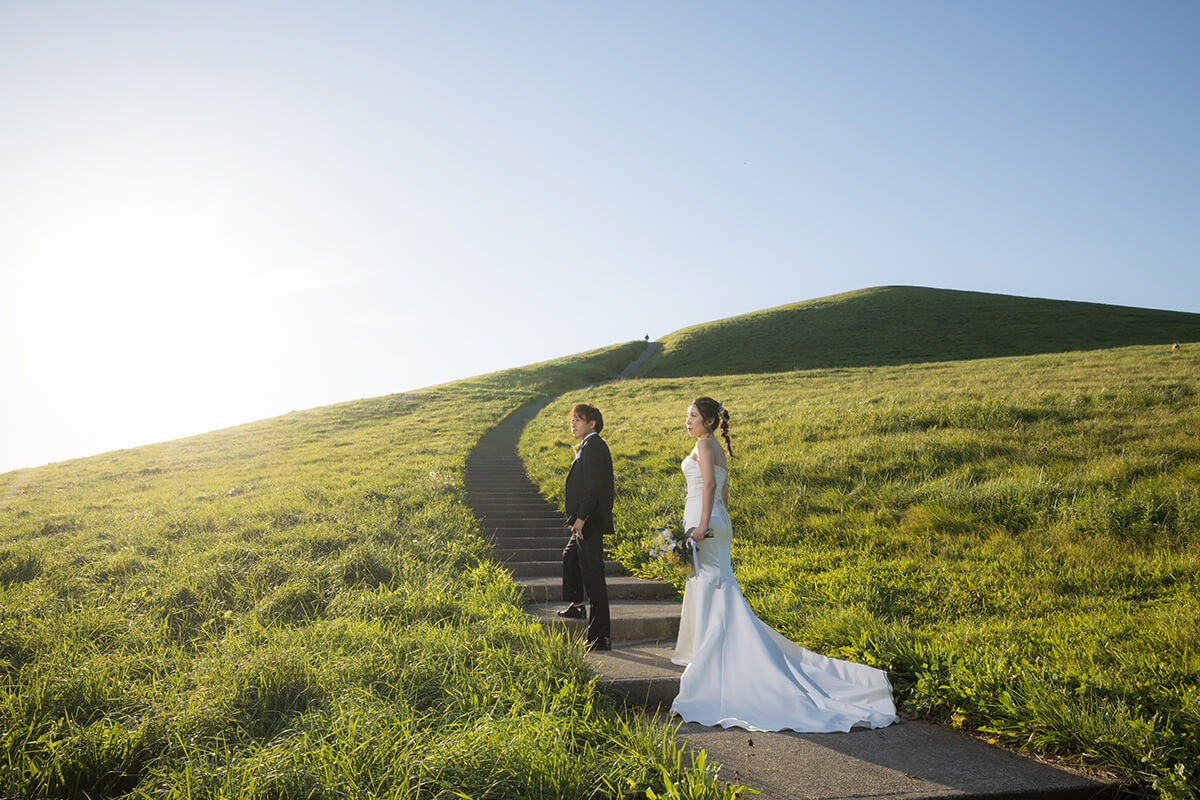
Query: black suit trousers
x: 583, y: 579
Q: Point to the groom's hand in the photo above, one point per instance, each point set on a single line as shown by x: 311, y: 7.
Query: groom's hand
x: 577, y: 528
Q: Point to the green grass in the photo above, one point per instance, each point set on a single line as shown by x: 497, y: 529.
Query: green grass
x: 1015, y: 540
x: 299, y: 607
x: 908, y: 324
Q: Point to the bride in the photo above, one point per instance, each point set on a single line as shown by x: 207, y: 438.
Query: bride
x: 740, y: 671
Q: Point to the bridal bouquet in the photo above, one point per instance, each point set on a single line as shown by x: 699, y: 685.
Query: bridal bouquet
x: 670, y: 544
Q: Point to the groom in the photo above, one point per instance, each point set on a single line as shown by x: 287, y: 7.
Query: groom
x: 589, y: 500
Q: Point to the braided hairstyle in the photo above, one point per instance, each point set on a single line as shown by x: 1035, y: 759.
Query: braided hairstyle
x: 710, y: 409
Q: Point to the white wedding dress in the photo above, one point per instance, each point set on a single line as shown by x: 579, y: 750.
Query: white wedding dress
x: 740, y: 671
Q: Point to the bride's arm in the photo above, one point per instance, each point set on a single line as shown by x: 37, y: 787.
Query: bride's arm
x: 704, y: 456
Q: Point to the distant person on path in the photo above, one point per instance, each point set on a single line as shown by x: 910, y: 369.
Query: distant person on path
x: 589, y: 500
x: 740, y: 671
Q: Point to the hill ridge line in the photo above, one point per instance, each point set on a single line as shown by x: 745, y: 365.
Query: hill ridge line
x: 894, y: 325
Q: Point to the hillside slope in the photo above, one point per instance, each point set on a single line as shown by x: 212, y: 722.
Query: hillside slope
x: 1015, y: 540
x: 907, y: 324
x: 297, y: 607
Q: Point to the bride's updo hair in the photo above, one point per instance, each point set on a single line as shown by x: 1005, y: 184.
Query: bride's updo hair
x: 710, y: 409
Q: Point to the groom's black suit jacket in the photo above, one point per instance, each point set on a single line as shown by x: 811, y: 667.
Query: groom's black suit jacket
x: 589, y: 489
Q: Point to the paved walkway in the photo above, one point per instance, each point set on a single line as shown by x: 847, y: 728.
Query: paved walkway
x: 651, y: 349
x: 529, y: 534
x: 906, y: 761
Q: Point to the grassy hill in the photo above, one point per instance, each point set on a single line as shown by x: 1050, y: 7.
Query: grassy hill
x: 908, y: 324
x: 1015, y: 540
x: 299, y: 607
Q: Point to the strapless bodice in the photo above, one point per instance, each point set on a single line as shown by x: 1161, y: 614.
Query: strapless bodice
x: 695, y: 481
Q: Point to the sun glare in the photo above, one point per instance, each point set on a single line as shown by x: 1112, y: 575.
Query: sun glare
x: 139, y: 292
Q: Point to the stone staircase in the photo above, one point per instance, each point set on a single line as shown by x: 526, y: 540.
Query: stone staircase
x: 529, y: 534
x: 912, y: 760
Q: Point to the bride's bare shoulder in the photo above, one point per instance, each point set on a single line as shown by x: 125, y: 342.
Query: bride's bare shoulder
x: 714, y: 451
x: 711, y: 450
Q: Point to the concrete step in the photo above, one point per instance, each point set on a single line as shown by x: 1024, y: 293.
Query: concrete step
x: 548, y: 589
x: 531, y: 527
x: 501, y: 487
x: 557, y: 539
x: 539, y: 528
x: 521, y: 515
x: 508, y: 555
x: 493, y: 465
x: 639, y: 672
x: 505, y: 531
x: 511, y: 474
x: 547, y: 537
x: 510, y: 501
x: 499, y: 468
x: 501, y: 521
x: 540, y: 524
x: 524, y: 496
x: 514, y: 473
x: 631, y: 619
x: 521, y: 501
x: 534, y: 569
x: 548, y: 522
x: 510, y: 505
x: 515, y: 509
x: 493, y: 461
x: 523, y: 569
x: 910, y: 760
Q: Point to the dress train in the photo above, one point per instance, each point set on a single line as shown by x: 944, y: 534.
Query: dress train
x: 742, y: 673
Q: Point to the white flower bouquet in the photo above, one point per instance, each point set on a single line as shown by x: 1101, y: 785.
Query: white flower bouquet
x: 670, y: 545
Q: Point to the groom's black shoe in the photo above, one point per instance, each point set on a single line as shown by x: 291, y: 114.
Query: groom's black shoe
x: 573, y: 612
x: 603, y: 643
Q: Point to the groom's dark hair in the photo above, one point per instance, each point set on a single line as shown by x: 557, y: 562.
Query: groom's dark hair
x: 588, y: 414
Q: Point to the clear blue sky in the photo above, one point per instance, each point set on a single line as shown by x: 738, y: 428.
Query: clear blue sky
x: 216, y: 212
